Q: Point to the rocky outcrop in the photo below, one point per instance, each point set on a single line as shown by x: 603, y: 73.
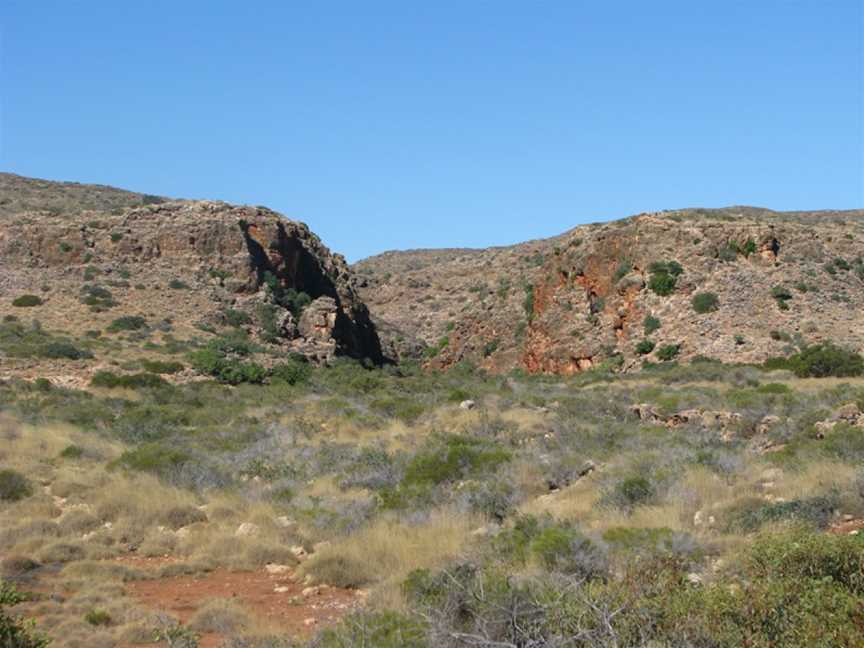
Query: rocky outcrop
x: 580, y: 300
x: 188, y: 261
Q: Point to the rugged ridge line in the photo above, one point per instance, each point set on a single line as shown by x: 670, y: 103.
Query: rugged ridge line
x: 580, y: 300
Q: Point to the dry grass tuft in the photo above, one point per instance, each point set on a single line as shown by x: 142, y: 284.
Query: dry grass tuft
x: 389, y: 549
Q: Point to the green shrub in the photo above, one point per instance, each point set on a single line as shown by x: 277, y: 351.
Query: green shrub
x: 215, y: 361
x: 564, y: 549
x: 235, y: 318
x: 404, y: 408
x: 782, y: 295
x: 111, y: 380
x: 116, y: 236
x: 59, y: 349
x: 824, y: 360
x: 97, y: 297
x: 14, y: 631
x: 18, y: 341
x: 751, y: 514
x: 385, y: 629
x: 623, y: 270
x: 662, y: 284
x: 705, y: 302
x: 176, y: 284
x: 651, y: 324
x: 452, y: 458
x: 630, y: 492
x: 127, y: 323
x: 490, y: 347
x: 645, y: 347
x: 72, y: 452
x: 98, y: 618
x: 154, y: 458
x: 268, y: 319
x: 294, y: 300
x: 14, y: 486
x: 803, y: 554
x: 162, y: 366
x: 27, y: 301
x: 292, y: 372
x: 528, y: 301
x: 668, y: 352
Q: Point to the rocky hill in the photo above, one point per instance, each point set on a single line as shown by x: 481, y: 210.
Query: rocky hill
x: 87, y: 255
x: 738, y: 284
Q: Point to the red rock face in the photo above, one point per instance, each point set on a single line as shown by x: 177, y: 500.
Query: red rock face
x: 580, y: 300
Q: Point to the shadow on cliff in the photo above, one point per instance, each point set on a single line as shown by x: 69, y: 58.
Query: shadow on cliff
x: 294, y: 266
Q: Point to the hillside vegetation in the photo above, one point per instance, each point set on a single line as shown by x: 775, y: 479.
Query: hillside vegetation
x: 238, y: 453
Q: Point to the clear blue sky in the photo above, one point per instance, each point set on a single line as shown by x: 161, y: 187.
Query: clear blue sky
x: 416, y: 123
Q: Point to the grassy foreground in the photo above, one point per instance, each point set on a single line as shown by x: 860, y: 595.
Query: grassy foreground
x: 698, y: 505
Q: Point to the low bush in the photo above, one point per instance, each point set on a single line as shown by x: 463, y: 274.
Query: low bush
x: 565, y: 549
x: 128, y: 381
x: 404, y: 408
x: 668, y: 352
x: 215, y: 361
x: 630, y: 492
x: 59, y: 349
x: 98, y: 618
x: 127, y: 323
x: 782, y: 295
x: 821, y: 361
x: 651, y: 324
x: 384, y: 629
x: 72, y: 452
x: 292, y: 372
x: 705, y: 302
x: 155, y: 458
x: 15, y: 632
x: 235, y: 318
x: 27, y: 301
x: 14, y: 486
x: 162, y: 366
x: 751, y: 514
x: 664, y: 277
x: 452, y: 458
x: 97, y: 297
x: 645, y: 347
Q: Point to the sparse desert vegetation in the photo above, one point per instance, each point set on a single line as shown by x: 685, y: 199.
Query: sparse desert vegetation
x: 684, y: 504
x: 225, y: 448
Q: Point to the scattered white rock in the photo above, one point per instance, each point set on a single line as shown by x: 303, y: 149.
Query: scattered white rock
x: 285, y: 522
x: 694, y: 578
x: 247, y: 529
x: 273, y: 568
x: 311, y: 591
x: 467, y: 405
x: 299, y: 553
x: 310, y: 621
x: 281, y: 589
